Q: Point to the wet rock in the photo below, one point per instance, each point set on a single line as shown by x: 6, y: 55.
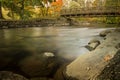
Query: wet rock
x: 49, y: 54
x: 104, y: 33
x: 117, y: 46
x: 92, y: 44
x: 118, y: 30
x: 60, y: 74
x: 4, y: 27
x: 26, y: 26
x: 41, y: 78
x: 39, y: 65
x: 6, y: 75
x: 98, y: 60
x: 94, y: 41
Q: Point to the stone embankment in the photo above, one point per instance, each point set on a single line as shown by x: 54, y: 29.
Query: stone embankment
x: 102, y: 63
x: 4, y: 24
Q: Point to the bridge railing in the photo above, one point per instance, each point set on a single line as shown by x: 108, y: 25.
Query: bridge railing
x: 92, y: 10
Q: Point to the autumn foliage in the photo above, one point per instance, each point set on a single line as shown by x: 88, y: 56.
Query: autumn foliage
x: 57, y: 5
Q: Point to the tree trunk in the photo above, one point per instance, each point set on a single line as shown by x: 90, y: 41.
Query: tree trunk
x: 22, y: 10
x: 12, y: 12
x: 1, y: 16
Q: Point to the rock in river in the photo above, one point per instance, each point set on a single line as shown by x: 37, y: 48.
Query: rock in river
x: 49, y: 54
x: 104, y: 33
x: 7, y: 75
x: 92, y: 44
x: 39, y: 65
x: 118, y: 46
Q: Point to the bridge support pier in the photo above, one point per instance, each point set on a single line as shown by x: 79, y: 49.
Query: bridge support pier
x: 72, y: 21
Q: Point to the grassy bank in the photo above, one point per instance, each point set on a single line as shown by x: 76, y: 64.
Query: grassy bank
x: 108, y: 20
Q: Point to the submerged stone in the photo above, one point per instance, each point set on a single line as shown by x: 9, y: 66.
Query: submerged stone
x: 7, y: 75
x: 49, y: 54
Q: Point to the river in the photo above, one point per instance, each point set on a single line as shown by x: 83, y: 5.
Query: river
x: 64, y: 42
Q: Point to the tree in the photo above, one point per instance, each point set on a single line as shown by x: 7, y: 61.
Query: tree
x: 46, y: 6
x: 17, y: 7
x: 81, y: 3
x: 56, y: 7
x: 1, y: 16
x: 98, y: 3
x: 74, y: 4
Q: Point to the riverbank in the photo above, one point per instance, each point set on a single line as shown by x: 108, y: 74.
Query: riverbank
x: 5, y: 24
x: 92, y: 65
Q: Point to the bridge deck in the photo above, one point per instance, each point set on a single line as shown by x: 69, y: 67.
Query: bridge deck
x: 102, y: 11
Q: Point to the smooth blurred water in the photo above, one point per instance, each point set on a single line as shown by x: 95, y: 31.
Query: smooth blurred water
x: 65, y: 42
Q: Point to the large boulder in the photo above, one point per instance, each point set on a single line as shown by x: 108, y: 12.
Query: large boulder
x: 104, y: 33
x: 7, y: 75
x: 89, y: 65
x: 60, y: 73
x: 92, y: 44
x: 40, y: 65
x: 112, y: 70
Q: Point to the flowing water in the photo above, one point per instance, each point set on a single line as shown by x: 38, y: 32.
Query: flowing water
x: 67, y: 42
x: 64, y: 42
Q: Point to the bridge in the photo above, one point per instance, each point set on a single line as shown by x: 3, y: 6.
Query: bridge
x: 92, y: 11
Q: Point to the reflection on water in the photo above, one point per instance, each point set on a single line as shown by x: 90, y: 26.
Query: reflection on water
x: 66, y: 42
